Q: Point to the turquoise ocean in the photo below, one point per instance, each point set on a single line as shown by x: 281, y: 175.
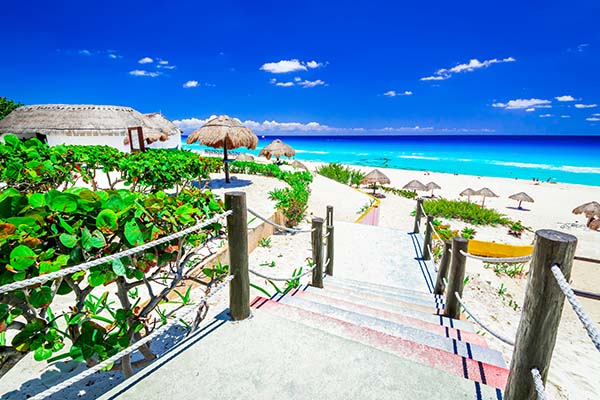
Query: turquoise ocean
x: 569, y: 159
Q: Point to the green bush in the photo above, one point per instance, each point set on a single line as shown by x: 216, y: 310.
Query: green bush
x: 465, y: 211
x: 341, y: 173
x: 408, y: 194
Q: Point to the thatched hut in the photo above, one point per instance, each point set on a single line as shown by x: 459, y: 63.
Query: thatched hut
x: 277, y: 149
x: 225, y: 133
x: 87, y: 124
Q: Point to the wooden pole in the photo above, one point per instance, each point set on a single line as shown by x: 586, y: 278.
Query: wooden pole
x: 226, y: 160
x: 440, y: 285
x: 427, y: 241
x: 330, y: 251
x: 329, y: 215
x: 418, y: 215
x: 542, y: 309
x: 457, y: 277
x: 317, y: 252
x: 237, y: 236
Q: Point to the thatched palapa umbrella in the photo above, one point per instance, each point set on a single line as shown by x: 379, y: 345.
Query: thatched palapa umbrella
x: 226, y: 133
x: 468, y: 192
x: 245, y: 157
x: 375, y: 177
x: 432, y: 186
x: 590, y: 210
x: 485, y: 192
x: 415, y: 185
x: 521, y: 197
x: 298, y: 164
x: 277, y: 149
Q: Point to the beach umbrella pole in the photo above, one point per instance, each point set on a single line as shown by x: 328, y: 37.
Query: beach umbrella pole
x: 225, y: 161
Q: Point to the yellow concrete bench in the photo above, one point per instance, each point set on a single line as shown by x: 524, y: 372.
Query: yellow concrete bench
x: 490, y: 249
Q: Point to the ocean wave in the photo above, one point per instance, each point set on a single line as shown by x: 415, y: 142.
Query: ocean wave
x: 312, y: 152
x: 564, y: 168
x: 413, y: 157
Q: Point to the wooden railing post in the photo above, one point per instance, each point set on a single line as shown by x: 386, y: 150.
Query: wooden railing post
x: 427, y: 240
x: 418, y: 215
x: 541, y: 313
x: 440, y: 285
x: 329, y: 217
x: 330, y: 251
x: 237, y: 236
x: 457, y: 277
x: 317, y: 252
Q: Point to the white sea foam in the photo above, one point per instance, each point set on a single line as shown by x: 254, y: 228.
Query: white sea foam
x: 312, y: 152
x: 565, y: 168
x: 415, y: 157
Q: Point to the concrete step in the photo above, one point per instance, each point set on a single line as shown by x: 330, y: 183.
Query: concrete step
x: 365, y: 309
x: 415, y: 304
x: 398, y: 293
x: 393, y: 307
x: 407, y: 349
x: 464, y: 349
x: 267, y: 357
x: 382, y: 288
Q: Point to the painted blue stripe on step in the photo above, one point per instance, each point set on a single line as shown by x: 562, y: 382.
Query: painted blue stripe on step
x: 478, y: 391
x: 499, y: 394
x: 482, y: 373
x: 465, y: 370
x: 469, y: 350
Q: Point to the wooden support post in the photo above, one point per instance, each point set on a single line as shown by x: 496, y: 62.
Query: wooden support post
x: 440, y: 285
x: 418, y: 215
x: 541, y: 313
x: 457, y: 277
x: 427, y: 240
x: 317, y: 252
x: 329, y: 217
x: 237, y: 236
x: 330, y: 251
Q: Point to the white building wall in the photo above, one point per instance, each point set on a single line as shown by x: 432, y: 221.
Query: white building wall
x: 113, y: 141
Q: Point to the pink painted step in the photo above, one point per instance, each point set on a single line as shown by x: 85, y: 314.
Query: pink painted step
x: 476, y: 371
x: 452, y: 333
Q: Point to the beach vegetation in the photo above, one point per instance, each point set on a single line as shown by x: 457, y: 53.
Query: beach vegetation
x: 341, y: 173
x: 511, y: 270
x: 516, y: 229
x: 465, y: 211
x: 407, y: 194
x: 264, y: 242
x: 7, y: 106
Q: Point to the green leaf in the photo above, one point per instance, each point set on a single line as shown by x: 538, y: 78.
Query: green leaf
x: 40, y: 297
x: 107, y: 221
x: 65, y: 225
x: 86, y: 239
x: 133, y: 233
x: 64, y: 203
x: 98, y: 240
x: 67, y: 240
x: 118, y: 267
x: 96, y: 278
x: 37, y: 200
x: 47, y: 266
x: 22, y: 257
x: 41, y: 354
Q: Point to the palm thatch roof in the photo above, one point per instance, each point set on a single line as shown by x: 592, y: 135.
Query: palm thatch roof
x: 298, y: 164
x: 277, y: 148
x: 432, y: 186
x: 74, y: 120
x: 521, y: 196
x: 224, y: 129
x: 415, y: 185
x: 485, y: 192
x: 374, y: 177
x: 468, y: 192
x: 245, y: 157
x: 590, y: 209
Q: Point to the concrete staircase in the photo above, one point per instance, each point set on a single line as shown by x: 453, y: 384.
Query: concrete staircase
x: 352, y: 339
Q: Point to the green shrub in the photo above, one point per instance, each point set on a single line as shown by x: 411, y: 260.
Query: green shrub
x: 465, y: 211
x: 408, y: 194
x: 341, y: 173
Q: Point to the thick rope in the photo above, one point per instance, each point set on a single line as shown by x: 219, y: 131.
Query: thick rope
x: 497, y: 335
x: 423, y: 211
x: 280, y: 227
x: 277, y: 279
x: 589, y: 326
x: 109, y: 361
x: 38, y: 280
x: 539, y: 384
x: 495, y: 260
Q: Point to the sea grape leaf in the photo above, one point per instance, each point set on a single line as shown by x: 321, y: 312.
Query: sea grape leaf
x: 37, y: 200
x: 64, y: 203
x: 107, y: 221
x: 118, y: 267
x: 22, y: 257
x: 40, y: 297
x: 133, y: 233
x: 67, y: 240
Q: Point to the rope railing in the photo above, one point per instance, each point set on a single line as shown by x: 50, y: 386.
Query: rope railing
x: 109, y: 361
x: 539, y: 384
x: 589, y: 326
x: 38, y: 280
x: 484, y: 326
x: 423, y: 211
x: 496, y: 260
x: 277, y: 226
x: 282, y: 279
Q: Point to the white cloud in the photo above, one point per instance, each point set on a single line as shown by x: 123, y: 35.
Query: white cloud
x: 283, y: 66
x: 297, y: 79
x: 518, y: 104
x: 596, y: 115
x: 530, y: 109
x: 190, y: 84
x: 298, y: 82
x: 141, y: 72
x: 85, y: 52
x: 113, y: 56
x: 163, y: 62
x: 145, y: 60
x: 586, y: 105
x: 472, y: 65
x: 546, y: 115
x: 393, y: 93
x: 284, y: 84
x: 593, y: 119
x: 565, y: 116
x: 565, y: 98
x: 310, y: 84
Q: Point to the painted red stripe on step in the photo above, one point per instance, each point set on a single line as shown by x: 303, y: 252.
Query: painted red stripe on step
x: 452, y: 333
x: 416, y: 352
x: 391, y: 300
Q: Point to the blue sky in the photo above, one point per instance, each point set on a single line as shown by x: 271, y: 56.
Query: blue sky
x: 332, y: 67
